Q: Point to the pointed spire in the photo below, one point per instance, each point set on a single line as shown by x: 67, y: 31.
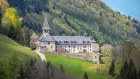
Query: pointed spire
x: 46, y: 25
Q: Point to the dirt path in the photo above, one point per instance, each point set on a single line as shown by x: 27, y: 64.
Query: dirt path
x: 42, y: 56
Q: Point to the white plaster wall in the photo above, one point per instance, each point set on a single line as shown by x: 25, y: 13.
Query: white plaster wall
x: 50, y: 47
x: 42, y: 49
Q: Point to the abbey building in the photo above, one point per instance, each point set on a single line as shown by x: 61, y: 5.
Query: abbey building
x: 64, y: 44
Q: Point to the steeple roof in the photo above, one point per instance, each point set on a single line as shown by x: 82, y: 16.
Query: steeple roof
x: 46, y: 38
x: 46, y: 25
x: 34, y: 36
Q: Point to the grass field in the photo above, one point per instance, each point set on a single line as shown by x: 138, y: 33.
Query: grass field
x: 75, y: 66
x: 12, y: 55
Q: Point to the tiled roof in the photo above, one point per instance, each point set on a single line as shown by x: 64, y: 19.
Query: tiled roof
x: 46, y: 38
x: 73, y: 40
x: 67, y: 39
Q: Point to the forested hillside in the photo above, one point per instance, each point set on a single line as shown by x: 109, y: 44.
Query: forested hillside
x: 73, y: 17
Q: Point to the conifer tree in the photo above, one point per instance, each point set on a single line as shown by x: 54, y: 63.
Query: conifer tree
x: 85, y: 76
x: 111, y: 69
x: 124, y: 70
x: 132, y: 72
x: 138, y: 76
x: 22, y: 74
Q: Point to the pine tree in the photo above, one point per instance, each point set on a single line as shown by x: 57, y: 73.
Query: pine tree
x: 138, y: 76
x: 132, y: 73
x: 32, y: 69
x: 124, y: 71
x: 22, y: 74
x: 111, y: 69
x: 85, y: 76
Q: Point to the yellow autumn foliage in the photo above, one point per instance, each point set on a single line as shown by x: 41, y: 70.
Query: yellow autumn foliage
x: 12, y: 15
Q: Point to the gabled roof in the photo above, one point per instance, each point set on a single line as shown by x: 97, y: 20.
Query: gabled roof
x: 34, y: 36
x: 47, y: 38
x: 41, y: 44
x: 46, y: 25
x: 73, y: 40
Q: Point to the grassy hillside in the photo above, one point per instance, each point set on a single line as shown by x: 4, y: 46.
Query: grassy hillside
x: 12, y: 55
x: 73, y: 17
x: 75, y: 66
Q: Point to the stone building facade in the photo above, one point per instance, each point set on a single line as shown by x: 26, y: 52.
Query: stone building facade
x: 66, y: 44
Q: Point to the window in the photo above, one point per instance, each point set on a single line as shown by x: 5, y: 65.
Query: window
x: 75, y: 42
x: 84, y: 46
x: 88, y: 42
x: 69, y: 46
x: 83, y: 41
x: 45, y: 31
x: 74, y: 46
x: 67, y: 42
x: 52, y: 46
x: 95, y: 57
x: 60, y: 42
x: 48, y: 42
x: 71, y: 41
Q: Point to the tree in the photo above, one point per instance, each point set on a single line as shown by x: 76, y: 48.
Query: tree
x: 128, y: 71
x: 138, y: 75
x: 0, y: 13
x: 62, y: 69
x: 111, y: 69
x: 2, y: 73
x: 85, y: 76
x: 26, y: 36
x: 22, y: 73
x: 124, y: 70
x: 11, y: 15
x: 0, y: 17
x: 132, y: 74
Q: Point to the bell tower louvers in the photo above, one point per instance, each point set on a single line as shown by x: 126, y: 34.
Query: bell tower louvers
x: 46, y: 27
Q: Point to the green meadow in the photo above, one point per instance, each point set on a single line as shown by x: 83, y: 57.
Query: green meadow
x: 12, y: 56
x: 75, y: 66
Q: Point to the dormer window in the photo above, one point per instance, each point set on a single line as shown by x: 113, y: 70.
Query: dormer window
x: 48, y: 42
x: 45, y: 31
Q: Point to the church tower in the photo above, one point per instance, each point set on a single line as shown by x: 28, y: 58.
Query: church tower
x: 46, y: 27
